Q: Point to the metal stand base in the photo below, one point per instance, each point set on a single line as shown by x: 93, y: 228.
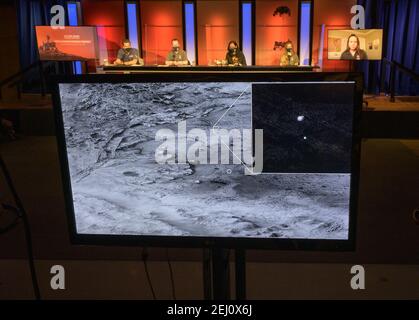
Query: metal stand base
x: 216, y: 274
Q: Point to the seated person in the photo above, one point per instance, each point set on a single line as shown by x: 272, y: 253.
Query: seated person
x: 353, y: 51
x: 234, y: 55
x: 289, y: 57
x: 128, y: 56
x: 176, y: 56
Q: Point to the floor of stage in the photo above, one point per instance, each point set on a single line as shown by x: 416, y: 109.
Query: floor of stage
x: 384, y: 119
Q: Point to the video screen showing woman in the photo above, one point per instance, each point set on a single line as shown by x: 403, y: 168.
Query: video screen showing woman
x: 362, y: 44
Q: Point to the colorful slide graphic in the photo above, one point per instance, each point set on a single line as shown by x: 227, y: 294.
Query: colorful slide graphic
x: 67, y: 44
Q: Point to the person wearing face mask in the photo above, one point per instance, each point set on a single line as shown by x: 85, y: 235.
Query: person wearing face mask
x: 234, y: 56
x: 128, y: 56
x: 176, y: 56
x: 289, y: 57
x: 353, y: 51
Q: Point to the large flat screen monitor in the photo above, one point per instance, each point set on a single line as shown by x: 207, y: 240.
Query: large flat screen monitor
x: 194, y: 161
x: 67, y: 43
x: 365, y: 44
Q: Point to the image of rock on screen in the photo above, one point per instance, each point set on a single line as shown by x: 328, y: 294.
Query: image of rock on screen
x: 210, y: 159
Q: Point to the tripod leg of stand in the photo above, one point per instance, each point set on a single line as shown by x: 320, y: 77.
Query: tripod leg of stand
x: 240, y: 270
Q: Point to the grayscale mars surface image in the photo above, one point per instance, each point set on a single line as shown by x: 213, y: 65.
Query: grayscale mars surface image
x: 119, y: 188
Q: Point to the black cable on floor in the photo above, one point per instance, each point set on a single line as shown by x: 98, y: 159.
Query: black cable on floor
x: 28, y: 235
x: 145, y: 257
x: 172, y: 279
x: 15, y: 221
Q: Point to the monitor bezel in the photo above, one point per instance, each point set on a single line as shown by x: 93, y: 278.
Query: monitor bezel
x: 211, y: 242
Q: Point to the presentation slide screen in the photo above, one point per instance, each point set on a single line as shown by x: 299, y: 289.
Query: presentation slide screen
x: 366, y: 44
x: 66, y: 44
x: 190, y: 161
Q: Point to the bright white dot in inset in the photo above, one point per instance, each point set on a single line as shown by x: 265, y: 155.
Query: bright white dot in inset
x: 300, y: 118
x: 305, y: 138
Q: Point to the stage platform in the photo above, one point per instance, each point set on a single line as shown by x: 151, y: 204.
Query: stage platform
x: 393, y: 120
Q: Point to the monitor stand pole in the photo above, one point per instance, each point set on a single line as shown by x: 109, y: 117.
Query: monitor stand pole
x: 216, y: 271
x: 240, y: 270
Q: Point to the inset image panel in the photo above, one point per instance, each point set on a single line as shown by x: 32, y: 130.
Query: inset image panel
x: 307, y: 127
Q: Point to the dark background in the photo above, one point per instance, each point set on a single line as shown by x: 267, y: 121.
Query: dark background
x: 327, y: 126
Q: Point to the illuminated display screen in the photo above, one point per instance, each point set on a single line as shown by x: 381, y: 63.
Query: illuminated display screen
x: 223, y: 160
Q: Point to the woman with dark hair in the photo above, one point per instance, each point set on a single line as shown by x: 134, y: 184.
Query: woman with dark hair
x: 234, y: 55
x: 353, y: 51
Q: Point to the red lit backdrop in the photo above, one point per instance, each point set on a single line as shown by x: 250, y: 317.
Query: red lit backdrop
x: 161, y: 21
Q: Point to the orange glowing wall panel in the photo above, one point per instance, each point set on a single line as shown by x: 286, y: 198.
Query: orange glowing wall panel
x: 218, y: 23
x: 161, y: 21
x: 270, y: 28
x: 109, y: 18
x: 334, y: 15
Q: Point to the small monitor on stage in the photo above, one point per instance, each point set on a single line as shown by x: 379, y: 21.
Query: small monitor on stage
x: 67, y: 43
x: 366, y: 44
